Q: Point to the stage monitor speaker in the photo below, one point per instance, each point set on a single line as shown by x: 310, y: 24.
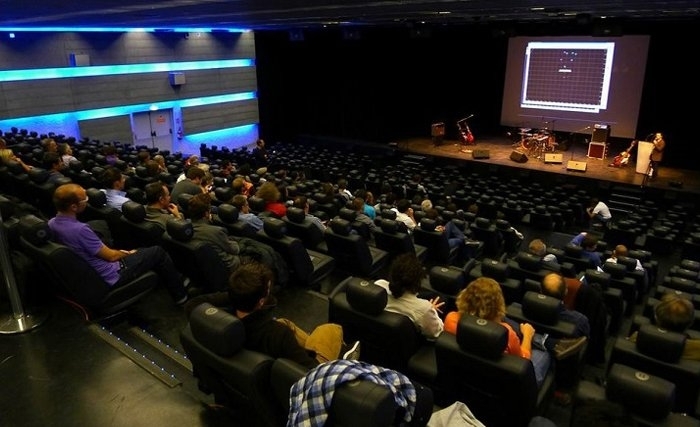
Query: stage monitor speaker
x: 553, y: 158
x: 517, y: 156
x: 480, y: 154
x: 576, y: 166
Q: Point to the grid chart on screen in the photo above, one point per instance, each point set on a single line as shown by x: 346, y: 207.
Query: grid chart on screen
x: 567, y: 76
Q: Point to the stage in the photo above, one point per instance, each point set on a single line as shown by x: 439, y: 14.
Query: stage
x: 573, y: 160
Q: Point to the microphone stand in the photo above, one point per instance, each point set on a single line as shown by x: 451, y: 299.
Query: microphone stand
x: 573, y: 146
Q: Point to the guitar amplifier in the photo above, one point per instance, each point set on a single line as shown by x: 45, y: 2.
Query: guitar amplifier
x: 597, y: 150
x: 437, y: 129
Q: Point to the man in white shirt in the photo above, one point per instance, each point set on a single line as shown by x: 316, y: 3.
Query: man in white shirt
x: 114, y: 181
x: 405, y: 275
x: 599, y: 212
x: 404, y: 214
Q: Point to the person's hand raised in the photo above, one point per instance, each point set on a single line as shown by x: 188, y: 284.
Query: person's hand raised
x: 527, y: 330
x: 437, y: 304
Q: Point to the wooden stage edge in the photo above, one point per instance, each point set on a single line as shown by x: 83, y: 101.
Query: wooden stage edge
x: 499, y: 154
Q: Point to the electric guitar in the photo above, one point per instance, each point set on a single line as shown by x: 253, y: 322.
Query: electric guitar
x: 465, y: 132
x: 623, y: 158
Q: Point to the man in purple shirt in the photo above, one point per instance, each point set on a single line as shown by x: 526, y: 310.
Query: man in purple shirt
x: 116, y: 266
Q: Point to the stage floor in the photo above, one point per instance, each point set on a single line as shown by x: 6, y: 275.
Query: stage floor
x: 500, y: 149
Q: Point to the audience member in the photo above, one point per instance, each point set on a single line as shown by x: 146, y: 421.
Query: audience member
x: 676, y: 314
x: 66, y: 152
x: 190, y: 185
x: 191, y: 161
x: 51, y: 161
x: 271, y: 195
x: 110, y: 153
x: 405, y: 275
x: 113, y: 182
x: 143, y: 156
x: 358, y: 203
x: 370, y: 211
x: 199, y: 209
x: 242, y: 186
x: 455, y: 236
x: 483, y: 298
x: 302, y: 202
x: 621, y: 251
x: 588, y: 242
x: 244, y: 213
x: 160, y: 208
x: 160, y: 161
x: 538, y: 247
x: 343, y: 190
x: 404, y: 214
x: 116, y: 266
x: 7, y: 155
x: 248, y: 298
x: 598, y: 212
x: 553, y: 285
x: 49, y: 145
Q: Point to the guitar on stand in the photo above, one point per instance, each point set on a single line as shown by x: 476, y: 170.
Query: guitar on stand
x: 466, y: 136
x: 623, y: 158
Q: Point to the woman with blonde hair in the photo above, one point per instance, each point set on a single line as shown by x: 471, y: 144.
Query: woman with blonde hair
x: 7, y: 155
x: 483, y: 298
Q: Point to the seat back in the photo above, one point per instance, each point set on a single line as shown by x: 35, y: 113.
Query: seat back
x: 388, y: 339
x: 352, y: 252
x: 439, y: 250
x: 389, y: 237
x: 358, y: 403
x: 214, y: 342
x: 227, y: 216
x: 305, y: 269
x: 542, y: 312
x: 501, y: 389
x: 483, y: 230
x: 197, y: 260
x: 133, y: 231
x: 301, y: 227
x: 527, y: 266
x: 659, y: 352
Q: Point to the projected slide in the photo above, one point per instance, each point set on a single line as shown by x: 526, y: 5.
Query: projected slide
x: 567, y: 76
x: 573, y: 83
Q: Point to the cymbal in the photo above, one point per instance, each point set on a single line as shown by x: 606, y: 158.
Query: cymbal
x: 525, y: 129
x: 525, y: 134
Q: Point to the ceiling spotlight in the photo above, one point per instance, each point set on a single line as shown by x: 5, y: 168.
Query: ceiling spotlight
x: 11, y: 35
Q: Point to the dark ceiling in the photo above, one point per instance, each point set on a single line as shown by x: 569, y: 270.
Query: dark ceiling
x: 298, y: 14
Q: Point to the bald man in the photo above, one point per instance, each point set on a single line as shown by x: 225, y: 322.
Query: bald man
x: 116, y: 266
x: 553, y: 285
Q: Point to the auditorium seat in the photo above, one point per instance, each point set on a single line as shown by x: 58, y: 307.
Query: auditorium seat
x: 71, y: 277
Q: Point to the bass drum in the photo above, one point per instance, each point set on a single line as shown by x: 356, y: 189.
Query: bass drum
x: 527, y: 143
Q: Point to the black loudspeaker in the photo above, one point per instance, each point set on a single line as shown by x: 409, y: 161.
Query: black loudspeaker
x: 480, y: 154
x: 517, y: 156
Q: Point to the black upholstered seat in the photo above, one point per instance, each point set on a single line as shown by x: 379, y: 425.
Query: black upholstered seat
x: 74, y: 278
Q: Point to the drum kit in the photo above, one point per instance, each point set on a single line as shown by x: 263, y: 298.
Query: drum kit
x: 536, y: 144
